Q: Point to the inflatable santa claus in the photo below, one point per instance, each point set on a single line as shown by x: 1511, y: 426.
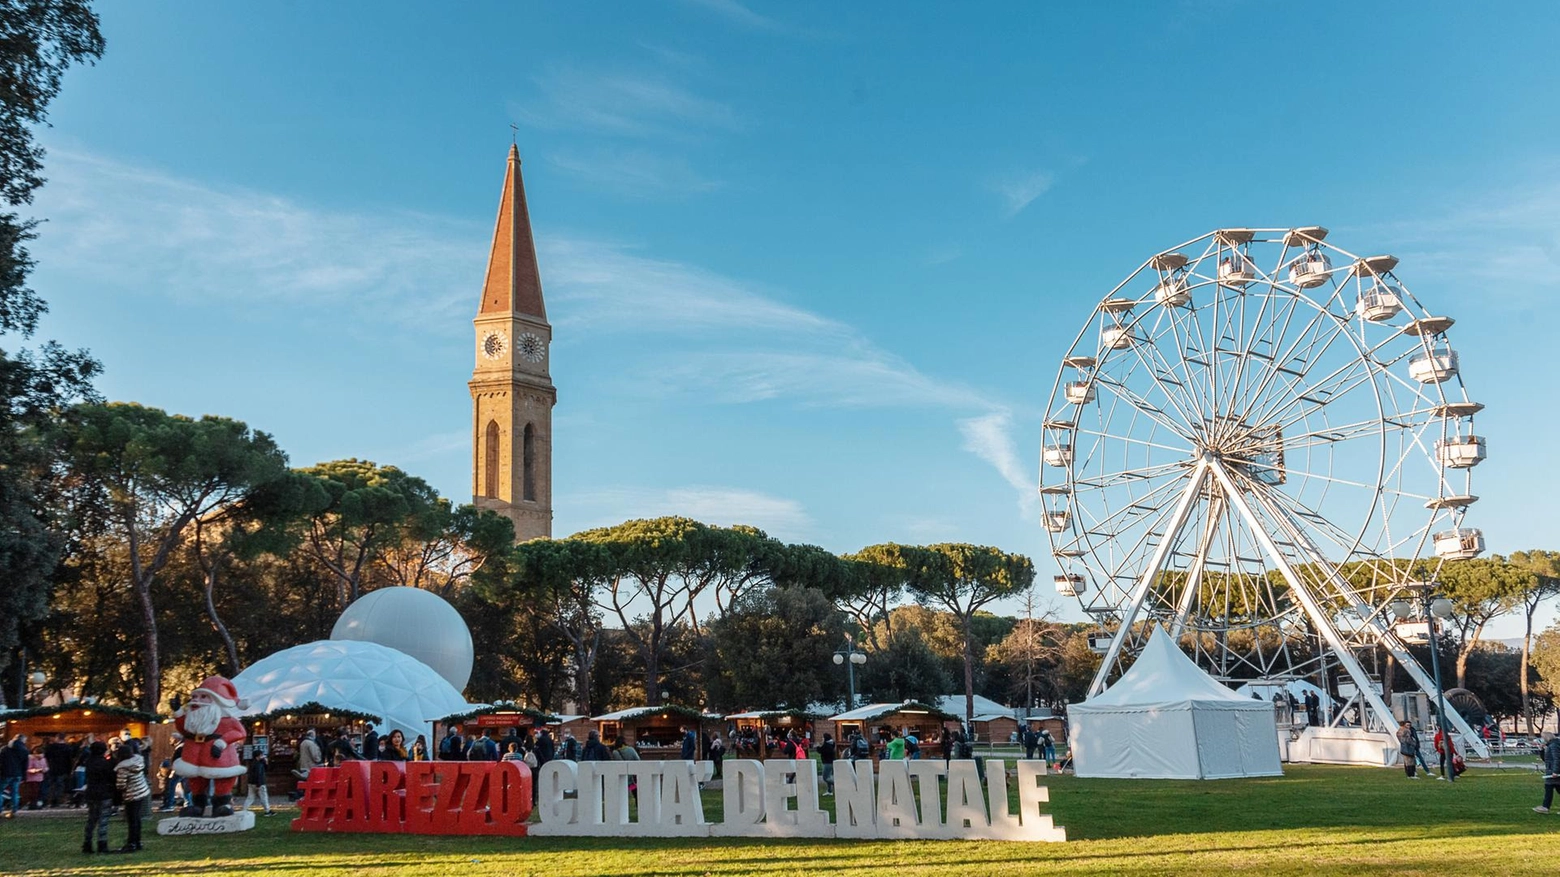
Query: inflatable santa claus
x: 211, y: 729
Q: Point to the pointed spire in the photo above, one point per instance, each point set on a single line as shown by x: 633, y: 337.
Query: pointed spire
x: 513, y: 282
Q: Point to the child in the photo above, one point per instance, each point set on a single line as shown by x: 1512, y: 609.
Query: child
x: 258, y: 765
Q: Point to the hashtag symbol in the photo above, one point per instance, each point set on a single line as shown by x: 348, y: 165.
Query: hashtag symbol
x: 317, y: 805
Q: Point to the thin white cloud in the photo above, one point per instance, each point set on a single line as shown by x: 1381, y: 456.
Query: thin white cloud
x: 608, y: 287
x: 738, y: 14
x: 634, y: 173
x: 990, y: 437
x: 428, y: 447
x: 725, y: 506
x: 1507, y: 240
x: 634, y: 104
x: 672, y: 57
x: 942, y: 254
x: 1020, y: 190
x: 132, y: 231
x: 124, y: 227
x: 861, y: 378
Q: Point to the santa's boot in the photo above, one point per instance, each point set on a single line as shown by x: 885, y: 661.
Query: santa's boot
x: 197, y: 806
x: 222, y: 805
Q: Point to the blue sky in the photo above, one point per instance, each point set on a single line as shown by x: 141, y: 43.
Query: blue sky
x: 811, y: 265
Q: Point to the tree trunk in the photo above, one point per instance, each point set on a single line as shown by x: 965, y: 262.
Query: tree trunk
x: 141, y: 582
x: 216, y: 620
x: 652, y: 684
x: 1527, y: 642
x: 152, y: 694
x: 584, y: 660
x: 653, y: 664
x: 969, y: 677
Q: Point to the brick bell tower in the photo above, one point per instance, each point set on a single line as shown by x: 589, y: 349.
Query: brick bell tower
x: 512, y: 393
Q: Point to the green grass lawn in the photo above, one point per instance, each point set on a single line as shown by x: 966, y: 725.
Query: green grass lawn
x: 1336, y: 820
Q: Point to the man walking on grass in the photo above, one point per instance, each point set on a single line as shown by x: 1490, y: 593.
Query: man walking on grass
x: 1551, y: 755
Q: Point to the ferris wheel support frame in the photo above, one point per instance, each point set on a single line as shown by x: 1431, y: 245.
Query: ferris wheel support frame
x: 1183, y: 611
x: 1324, y: 624
x: 1178, y: 518
x: 1377, y: 629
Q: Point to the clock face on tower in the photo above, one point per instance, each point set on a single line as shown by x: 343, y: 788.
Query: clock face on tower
x: 531, y: 347
x: 493, y: 344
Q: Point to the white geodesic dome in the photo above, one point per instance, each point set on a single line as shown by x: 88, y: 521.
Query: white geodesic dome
x: 349, y: 675
x: 420, y: 623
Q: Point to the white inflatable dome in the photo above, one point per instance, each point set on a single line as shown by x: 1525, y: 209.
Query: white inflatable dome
x: 417, y: 622
x: 348, y: 675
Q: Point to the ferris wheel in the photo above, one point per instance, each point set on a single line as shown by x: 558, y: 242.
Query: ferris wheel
x: 1261, y: 442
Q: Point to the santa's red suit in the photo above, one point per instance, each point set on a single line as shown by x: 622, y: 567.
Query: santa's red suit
x: 211, y: 730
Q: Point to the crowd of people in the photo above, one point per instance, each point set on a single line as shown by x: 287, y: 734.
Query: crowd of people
x: 107, y: 777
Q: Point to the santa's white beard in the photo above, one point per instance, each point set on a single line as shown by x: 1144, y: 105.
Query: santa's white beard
x: 202, y: 718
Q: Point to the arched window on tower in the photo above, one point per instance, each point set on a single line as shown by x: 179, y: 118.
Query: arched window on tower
x: 490, y: 461
x: 528, y: 460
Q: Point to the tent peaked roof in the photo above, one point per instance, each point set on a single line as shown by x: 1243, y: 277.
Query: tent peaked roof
x: 1164, y: 674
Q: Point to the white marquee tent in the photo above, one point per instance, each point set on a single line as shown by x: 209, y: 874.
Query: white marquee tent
x: 1167, y: 719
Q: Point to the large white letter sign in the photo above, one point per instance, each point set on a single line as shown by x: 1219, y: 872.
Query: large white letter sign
x: 927, y: 772
x: 896, y: 816
x: 901, y: 799
x: 556, y: 778
x: 966, y: 804
x: 855, y: 807
x: 788, y: 779
x: 742, y: 798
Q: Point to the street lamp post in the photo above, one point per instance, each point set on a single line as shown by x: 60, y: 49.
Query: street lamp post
x: 850, y: 657
x: 1433, y: 607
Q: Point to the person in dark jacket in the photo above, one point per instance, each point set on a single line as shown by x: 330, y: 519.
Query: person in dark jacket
x: 99, y: 795
x: 545, y: 750
x: 339, y: 751
x: 452, y: 747
x: 594, y: 750
x: 393, y: 747
x: 255, y: 779
x: 826, y: 755
x: 13, y: 770
x: 1551, y: 755
x: 1408, y: 747
x: 175, y: 791
x: 690, y: 744
x: 60, y: 756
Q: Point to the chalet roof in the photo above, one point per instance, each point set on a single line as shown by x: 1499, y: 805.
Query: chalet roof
x: 628, y: 715
x: 874, y: 711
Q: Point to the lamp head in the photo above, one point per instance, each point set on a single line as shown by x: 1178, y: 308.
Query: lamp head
x: 839, y: 658
x: 858, y: 657
x: 1441, y: 607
